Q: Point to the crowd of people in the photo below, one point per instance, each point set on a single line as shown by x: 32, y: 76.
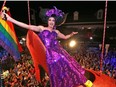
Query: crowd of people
x: 22, y: 74
x: 91, y: 60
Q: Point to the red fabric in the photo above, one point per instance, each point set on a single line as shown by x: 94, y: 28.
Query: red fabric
x: 37, y: 51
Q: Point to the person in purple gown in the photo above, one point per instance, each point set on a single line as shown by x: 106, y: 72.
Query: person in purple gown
x: 64, y: 70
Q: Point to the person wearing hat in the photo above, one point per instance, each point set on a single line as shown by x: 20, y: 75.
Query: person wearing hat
x: 64, y: 70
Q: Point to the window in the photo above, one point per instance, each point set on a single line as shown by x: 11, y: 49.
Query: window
x: 76, y: 15
x: 100, y: 14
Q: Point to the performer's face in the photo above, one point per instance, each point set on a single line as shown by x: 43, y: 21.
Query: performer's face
x: 51, y: 22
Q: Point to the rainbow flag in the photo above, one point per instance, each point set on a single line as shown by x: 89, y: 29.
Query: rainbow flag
x: 8, y: 39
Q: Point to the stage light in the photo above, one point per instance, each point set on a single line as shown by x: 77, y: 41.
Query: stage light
x: 91, y: 38
x: 72, y: 43
x: 23, y: 39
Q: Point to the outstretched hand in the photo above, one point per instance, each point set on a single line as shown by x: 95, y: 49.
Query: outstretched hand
x: 3, y: 12
x: 74, y: 33
x: 4, y: 16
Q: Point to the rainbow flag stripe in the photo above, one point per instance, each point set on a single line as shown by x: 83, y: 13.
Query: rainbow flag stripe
x: 8, y: 39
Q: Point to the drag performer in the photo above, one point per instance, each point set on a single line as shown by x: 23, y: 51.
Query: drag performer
x: 64, y: 71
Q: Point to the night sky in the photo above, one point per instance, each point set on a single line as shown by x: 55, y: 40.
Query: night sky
x: 19, y: 9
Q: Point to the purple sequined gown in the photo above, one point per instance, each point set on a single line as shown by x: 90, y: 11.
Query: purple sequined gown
x: 64, y: 70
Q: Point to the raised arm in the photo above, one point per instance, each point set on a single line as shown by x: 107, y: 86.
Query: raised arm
x: 23, y: 25
x: 62, y: 36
